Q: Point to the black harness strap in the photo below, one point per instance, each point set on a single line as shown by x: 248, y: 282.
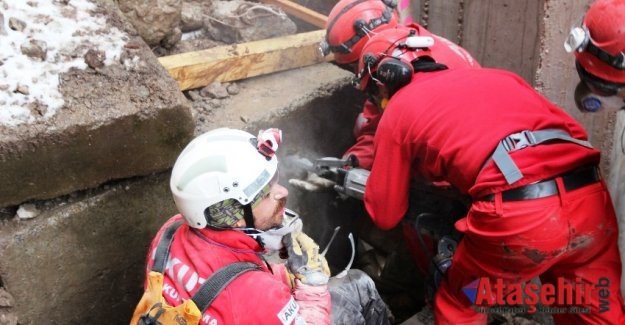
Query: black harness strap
x: 213, y: 286
x: 219, y: 280
x: 248, y: 216
x: 162, y: 249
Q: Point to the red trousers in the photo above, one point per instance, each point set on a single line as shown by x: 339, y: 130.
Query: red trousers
x: 570, y: 237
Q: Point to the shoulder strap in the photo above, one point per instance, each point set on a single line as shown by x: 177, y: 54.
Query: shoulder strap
x: 162, y: 249
x: 211, y: 288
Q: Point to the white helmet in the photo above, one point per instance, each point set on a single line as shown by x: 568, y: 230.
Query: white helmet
x: 224, y: 169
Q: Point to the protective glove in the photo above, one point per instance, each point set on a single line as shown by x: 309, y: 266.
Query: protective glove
x: 304, y: 260
x: 313, y: 183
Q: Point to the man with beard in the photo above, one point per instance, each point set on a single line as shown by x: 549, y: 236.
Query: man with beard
x: 232, y: 210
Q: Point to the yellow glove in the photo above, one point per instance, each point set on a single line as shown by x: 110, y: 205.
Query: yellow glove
x: 304, y: 261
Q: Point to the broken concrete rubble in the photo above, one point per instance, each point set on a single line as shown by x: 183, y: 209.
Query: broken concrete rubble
x: 154, y: 20
x: 241, y: 21
x: 121, y: 116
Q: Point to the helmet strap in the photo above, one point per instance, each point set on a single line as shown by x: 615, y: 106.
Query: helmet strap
x: 250, y: 227
x: 615, y: 61
x: 248, y: 216
x: 424, y: 65
x: 579, y: 40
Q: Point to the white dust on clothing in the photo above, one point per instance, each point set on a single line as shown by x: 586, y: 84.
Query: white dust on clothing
x: 69, y: 31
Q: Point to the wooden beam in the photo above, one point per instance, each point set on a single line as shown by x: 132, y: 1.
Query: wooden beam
x: 301, y: 12
x: 239, y: 61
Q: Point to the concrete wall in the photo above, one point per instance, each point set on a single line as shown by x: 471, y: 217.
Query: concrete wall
x: 498, y: 33
x: 616, y: 180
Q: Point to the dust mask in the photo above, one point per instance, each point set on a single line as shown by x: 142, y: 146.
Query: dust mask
x: 588, y: 101
x: 271, y: 239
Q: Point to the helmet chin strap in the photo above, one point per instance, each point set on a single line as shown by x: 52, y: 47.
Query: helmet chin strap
x: 251, y: 230
x: 248, y: 216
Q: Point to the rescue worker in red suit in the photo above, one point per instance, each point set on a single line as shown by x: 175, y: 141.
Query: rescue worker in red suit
x: 598, y: 43
x: 224, y: 184
x: 539, y: 205
x: 350, y: 24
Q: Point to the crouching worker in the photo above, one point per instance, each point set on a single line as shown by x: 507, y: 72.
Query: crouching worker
x: 206, y: 265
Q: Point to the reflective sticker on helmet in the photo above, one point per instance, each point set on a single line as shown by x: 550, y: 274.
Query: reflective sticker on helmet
x: 257, y: 184
x: 289, y: 312
x: 261, y: 195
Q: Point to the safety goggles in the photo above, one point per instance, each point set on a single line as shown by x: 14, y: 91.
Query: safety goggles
x: 362, y: 28
x: 579, y: 40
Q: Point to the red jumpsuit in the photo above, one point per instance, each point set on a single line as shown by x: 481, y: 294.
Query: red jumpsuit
x: 367, y: 122
x: 253, y: 298
x: 444, y: 126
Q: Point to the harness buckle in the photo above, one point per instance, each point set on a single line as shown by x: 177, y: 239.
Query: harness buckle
x: 517, y: 141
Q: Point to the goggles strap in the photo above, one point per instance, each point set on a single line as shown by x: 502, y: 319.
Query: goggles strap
x: 615, y: 61
x: 361, y: 27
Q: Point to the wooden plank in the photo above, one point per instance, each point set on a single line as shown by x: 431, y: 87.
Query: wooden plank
x: 239, y: 61
x: 299, y: 11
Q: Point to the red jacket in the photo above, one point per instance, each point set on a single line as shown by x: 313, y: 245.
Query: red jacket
x: 364, y: 129
x: 444, y: 126
x: 254, y: 297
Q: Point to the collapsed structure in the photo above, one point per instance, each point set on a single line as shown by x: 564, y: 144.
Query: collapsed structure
x: 83, y: 184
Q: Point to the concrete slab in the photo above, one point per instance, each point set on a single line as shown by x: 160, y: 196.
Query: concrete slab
x: 80, y: 261
x: 118, y: 120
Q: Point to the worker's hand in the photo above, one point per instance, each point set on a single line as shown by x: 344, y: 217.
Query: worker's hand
x: 313, y: 183
x: 304, y: 261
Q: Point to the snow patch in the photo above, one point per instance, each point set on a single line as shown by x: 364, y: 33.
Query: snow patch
x: 29, y: 87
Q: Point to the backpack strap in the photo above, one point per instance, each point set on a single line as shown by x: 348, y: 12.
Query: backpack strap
x: 162, y: 249
x: 211, y: 288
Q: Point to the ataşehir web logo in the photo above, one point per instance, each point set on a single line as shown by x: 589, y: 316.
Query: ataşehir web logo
x: 571, y: 297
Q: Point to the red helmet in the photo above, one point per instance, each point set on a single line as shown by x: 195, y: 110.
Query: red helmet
x: 599, y: 43
x: 349, y: 23
x: 389, y: 56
